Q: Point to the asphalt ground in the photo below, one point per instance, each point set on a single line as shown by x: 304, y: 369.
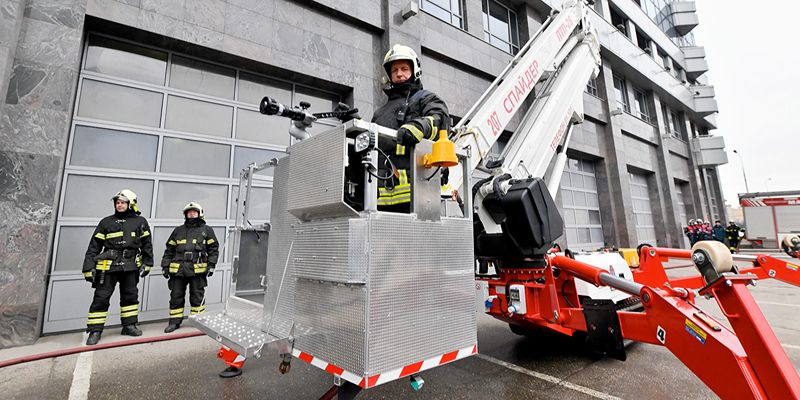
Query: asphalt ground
x: 508, y: 366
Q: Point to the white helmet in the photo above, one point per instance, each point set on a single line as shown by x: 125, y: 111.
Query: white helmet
x: 193, y: 206
x: 128, y: 196
x: 400, y: 52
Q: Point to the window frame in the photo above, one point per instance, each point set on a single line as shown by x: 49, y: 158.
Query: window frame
x: 512, y: 33
x: 425, y: 5
x: 625, y: 101
x: 641, y: 108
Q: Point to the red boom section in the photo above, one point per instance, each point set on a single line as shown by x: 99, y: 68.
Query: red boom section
x: 746, y: 362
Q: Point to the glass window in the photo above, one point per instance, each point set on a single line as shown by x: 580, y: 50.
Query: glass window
x: 196, y: 116
x: 244, y: 156
x: 320, y: 101
x: 200, y: 77
x: 641, y: 105
x: 500, y: 26
x: 675, y: 124
x: 591, y: 87
x: 71, y: 248
x: 172, y: 196
x: 252, y: 125
x: 125, y: 60
x: 107, y: 148
x: 90, y: 196
x: 261, y: 203
x: 447, y: 10
x: 253, y: 88
x: 621, y: 92
x: 160, y: 237
x: 119, y: 103
x: 181, y: 156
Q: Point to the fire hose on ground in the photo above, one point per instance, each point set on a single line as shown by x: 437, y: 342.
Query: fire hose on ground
x: 81, y: 349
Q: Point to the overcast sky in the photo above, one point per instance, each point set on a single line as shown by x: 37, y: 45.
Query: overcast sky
x: 752, y: 53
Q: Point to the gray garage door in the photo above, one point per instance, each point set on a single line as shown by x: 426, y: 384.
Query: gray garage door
x: 642, y: 209
x: 581, y: 206
x: 173, y: 129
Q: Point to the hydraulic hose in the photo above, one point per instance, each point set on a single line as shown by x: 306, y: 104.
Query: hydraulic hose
x: 81, y: 349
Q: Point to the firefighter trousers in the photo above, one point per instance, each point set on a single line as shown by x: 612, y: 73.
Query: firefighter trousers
x: 128, y: 300
x: 177, y: 296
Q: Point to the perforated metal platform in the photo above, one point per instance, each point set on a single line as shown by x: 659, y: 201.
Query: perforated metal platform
x: 240, y: 328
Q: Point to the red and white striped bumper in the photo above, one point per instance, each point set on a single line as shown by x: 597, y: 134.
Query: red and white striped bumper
x: 367, y: 382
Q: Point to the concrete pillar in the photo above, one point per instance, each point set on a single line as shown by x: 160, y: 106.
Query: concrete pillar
x: 696, y: 181
x: 631, y: 28
x: 665, y: 181
x: 34, y: 126
x: 616, y: 172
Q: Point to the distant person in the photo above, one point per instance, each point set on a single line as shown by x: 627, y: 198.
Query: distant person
x: 691, y: 232
x: 734, y: 234
x: 120, y: 249
x: 719, y: 231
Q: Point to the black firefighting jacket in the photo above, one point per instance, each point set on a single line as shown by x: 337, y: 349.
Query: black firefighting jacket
x: 423, y: 113
x: 121, y: 242
x: 192, y: 248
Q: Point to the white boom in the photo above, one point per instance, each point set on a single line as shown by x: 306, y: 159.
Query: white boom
x: 563, y: 55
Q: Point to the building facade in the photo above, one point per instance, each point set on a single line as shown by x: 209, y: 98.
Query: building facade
x: 161, y: 96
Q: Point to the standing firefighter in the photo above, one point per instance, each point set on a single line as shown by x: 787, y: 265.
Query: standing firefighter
x: 189, y: 259
x: 734, y: 234
x: 416, y: 114
x: 120, y: 249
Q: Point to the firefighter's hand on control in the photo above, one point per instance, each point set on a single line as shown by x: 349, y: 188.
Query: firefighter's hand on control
x: 89, y: 277
x: 406, y: 138
x: 145, y: 271
x: 165, y: 272
x: 210, y: 272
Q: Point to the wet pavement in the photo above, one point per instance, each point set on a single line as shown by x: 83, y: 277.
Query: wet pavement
x: 508, y: 367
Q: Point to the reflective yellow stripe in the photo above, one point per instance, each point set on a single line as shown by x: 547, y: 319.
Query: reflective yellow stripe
x: 145, y: 234
x: 182, y: 241
x: 433, y: 127
x: 96, y: 321
x: 87, y: 274
x: 100, y: 236
x: 194, y: 241
x: 98, y: 314
x: 198, y: 310
x: 114, y: 235
x: 103, y: 265
x: 209, y: 241
x: 403, y: 177
x: 129, y: 308
x: 147, y: 268
x: 200, y: 267
x: 129, y: 314
x: 400, y: 150
x: 398, y: 190
x: 133, y: 234
x: 171, y: 243
x: 414, y: 131
x: 173, y: 267
x: 406, y: 198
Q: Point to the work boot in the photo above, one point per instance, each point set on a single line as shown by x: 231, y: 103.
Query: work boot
x: 171, y: 327
x: 94, y: 337
x: 131, y: 330
x: 230, y: 372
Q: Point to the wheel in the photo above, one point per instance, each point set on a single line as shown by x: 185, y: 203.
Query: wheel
x: 284, y: 367
x: 720, y: 256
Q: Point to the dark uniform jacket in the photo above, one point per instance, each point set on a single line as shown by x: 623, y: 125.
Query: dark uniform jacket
x: 192, y: 248
x: 121, y: 242
x: 422, y: 113
x: 732, y: 233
